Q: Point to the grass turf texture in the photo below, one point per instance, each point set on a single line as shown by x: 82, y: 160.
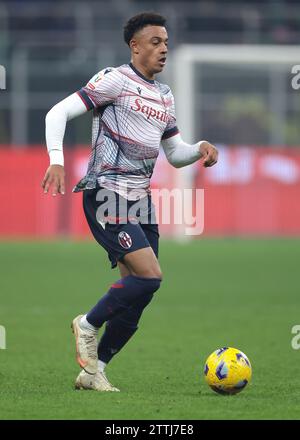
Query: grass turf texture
x: 240, y: 293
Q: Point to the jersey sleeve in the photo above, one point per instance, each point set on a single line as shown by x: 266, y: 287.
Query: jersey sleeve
x: 171, y: 128
x: 102, y: 89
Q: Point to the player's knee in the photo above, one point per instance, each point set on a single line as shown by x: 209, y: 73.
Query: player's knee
x: 150, y: 285
x: 154, y: 284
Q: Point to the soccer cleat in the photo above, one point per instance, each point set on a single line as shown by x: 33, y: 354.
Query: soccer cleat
x: 97, y: 382
x: 86, y: 347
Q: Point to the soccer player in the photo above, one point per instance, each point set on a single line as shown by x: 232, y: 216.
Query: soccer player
x: 132, y: 115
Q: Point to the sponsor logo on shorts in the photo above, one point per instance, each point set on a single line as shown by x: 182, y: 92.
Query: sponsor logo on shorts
x: 125, y: 240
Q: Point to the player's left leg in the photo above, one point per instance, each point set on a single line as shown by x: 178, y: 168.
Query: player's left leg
x: 119, y: 330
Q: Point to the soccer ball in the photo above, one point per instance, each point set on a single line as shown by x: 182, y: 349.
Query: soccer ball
x: 227, y: 370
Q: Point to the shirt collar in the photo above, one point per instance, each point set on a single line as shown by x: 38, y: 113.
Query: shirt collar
x: 151, y: 81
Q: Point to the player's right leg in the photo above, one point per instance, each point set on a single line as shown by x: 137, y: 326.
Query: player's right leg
x: 86, y: 345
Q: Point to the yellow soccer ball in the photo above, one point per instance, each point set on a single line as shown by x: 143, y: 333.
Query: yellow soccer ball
x: 227, y: 370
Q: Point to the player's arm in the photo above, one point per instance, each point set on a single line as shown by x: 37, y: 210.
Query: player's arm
x: 180, y: 154
x: 102, y: 89
x: 56, y: 120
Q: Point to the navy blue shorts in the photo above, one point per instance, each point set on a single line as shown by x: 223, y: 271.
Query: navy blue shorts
x: 120, y: 226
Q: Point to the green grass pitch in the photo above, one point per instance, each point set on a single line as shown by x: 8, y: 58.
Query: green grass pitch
x: 227, y: 292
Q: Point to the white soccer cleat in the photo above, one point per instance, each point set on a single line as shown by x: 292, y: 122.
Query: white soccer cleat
x: 97, y: 382
x: 86, y: 347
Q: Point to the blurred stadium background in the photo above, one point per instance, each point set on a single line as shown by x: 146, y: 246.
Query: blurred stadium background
x: 230, y: 68
x: 231, y: 72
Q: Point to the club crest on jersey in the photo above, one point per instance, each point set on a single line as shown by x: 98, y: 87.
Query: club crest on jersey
x: 125, y: 240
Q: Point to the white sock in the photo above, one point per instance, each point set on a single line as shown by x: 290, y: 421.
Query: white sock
x: 84, y: 324
x: 101, y: 366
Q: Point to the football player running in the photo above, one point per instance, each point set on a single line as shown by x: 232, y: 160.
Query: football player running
x: 132, y: 115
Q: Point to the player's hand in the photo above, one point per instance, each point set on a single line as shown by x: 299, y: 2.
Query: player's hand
x: 55, y: 178
x: 209, y: 153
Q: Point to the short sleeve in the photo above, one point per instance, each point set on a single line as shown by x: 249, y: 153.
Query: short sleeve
x: 171, y: 128
x: 104, y: 88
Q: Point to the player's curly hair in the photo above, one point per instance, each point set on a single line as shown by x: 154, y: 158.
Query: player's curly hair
x: 141, y: 20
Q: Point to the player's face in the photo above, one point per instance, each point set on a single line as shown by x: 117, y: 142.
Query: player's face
x: 149, y: 50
